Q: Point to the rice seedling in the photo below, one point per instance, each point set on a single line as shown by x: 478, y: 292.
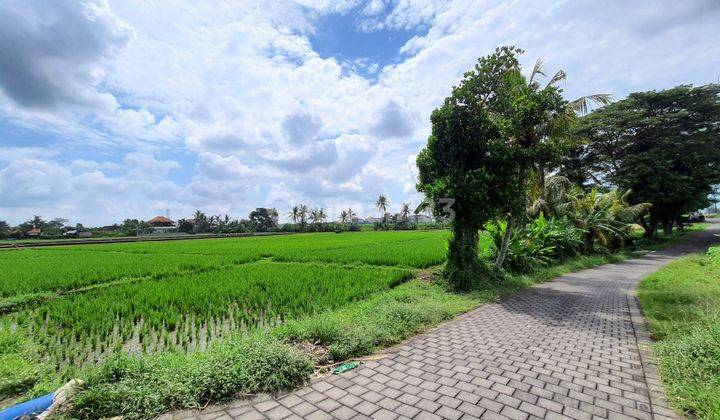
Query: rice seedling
x: 31, y: 271
x: 185, y: 312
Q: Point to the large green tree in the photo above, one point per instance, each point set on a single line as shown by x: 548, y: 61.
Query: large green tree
x: 664, y: 146
x: 488, y: 139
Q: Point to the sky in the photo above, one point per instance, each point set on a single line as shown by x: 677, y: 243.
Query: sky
x: 131, y: 108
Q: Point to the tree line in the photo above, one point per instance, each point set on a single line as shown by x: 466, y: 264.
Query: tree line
x: 262, y: 219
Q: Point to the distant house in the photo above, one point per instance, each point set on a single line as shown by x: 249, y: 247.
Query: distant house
x: 78, y: 233
x: 34, y: 232
x: 162, y: 224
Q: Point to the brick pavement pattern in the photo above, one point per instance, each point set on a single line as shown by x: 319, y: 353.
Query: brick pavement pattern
x: 573, y: 348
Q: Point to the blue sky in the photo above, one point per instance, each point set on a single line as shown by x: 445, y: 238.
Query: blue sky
x: 112, y: 109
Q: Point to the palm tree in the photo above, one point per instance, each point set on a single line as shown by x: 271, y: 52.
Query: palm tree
x: 317, y: 216
x: 382, y: 204
x: 303, y: 213
x: 606, y: 217
x: 343, y: 216
x: 405, y: 212
x: 322, y: 215
x: 294, y: 214
x: 560, y: 124
x: 534, y: 131
x: 350, y: 215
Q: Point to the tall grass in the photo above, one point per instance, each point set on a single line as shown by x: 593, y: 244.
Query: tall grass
x: 682, y: 305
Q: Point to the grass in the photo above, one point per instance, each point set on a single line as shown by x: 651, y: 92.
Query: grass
x: 682, y: 305
x: 185, y: 312
x: 346, y: 293
x: 30, y: 271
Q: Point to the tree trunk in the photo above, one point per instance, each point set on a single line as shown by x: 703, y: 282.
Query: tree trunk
x: 502, y: 253
x: 590, y: 242
x: 463, y: 264
x: 648, y: 228
x: 679, y: 223
x: 667, y: 225
x: 541, y: 178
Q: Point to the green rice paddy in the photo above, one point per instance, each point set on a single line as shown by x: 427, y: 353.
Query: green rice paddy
x: 79, y: 304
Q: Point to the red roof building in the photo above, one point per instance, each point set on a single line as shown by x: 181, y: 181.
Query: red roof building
x: 161, y: 221
x: 33, y: 232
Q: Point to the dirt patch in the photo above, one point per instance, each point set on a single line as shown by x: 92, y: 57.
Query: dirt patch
x: 318, y: 353
x: 427, y: 275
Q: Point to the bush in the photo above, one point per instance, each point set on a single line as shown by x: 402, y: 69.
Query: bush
x: 145, y: 386
x: 538, y: 243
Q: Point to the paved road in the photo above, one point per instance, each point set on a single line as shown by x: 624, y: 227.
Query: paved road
x: 575, y: 348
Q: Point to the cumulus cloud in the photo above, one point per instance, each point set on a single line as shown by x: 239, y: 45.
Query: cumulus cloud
x: 319, y: 154
x: 393, y: 121
x: 145, y: 166
x: 301, y: 127
x: 222, y: 168
x: 32, y: 181
x: 12, y: 154
x: 52, y: 52
x: 239, y: 92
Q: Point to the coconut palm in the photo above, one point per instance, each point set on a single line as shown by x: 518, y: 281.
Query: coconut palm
x: 603, y: 217
x: 294, y: 214
x: 350, y: 215
x: 317, y: 216
x: 405, y: 212
x: 382, y: 204
x: 303, y: 213
x: 558, y: 126
x: 343, y: 216
x: 533, y: 129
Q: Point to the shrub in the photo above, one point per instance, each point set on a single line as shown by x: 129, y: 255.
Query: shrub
x: 538, y: 243
x: 142, y: 387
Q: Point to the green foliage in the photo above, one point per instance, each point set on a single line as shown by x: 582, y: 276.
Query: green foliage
x: 379, y: 321
x: 143, y: 387
x: 682, y: 305
x: 539, y: 243
x: 664, y: 146
x: 601, y: 217
x: 22, y: 365
x: 486, y: 139
x: 263, y: 219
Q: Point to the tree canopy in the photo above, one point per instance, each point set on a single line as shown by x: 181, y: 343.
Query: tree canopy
x: 487, y: 138
x: 663, y: 146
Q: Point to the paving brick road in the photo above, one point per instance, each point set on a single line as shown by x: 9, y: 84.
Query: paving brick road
x: 574, y: 348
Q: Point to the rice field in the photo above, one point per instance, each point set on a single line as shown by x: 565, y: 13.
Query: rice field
x: 78, y: 304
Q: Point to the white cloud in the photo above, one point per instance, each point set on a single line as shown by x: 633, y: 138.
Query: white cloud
x: 222, y: 168
x: 145, y: 166
x: 237, y: 88
x: 53, y: 53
